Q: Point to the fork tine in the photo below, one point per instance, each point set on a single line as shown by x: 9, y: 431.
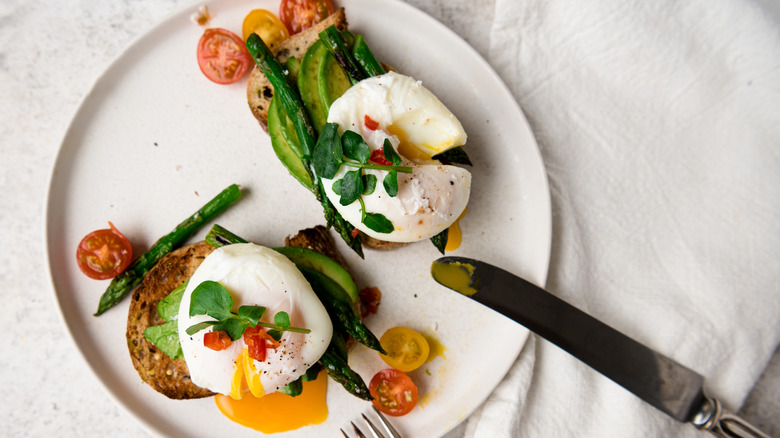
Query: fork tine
x: 357, y: 431
x: 389, y: 427
x: 344, y: 433
x: 374, y: 430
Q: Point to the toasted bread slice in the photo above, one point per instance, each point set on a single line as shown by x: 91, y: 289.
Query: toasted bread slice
x: 259, y: 91
x: 167, y: 376
x: 171, y: 377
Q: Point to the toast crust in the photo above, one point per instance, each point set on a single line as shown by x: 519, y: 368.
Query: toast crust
x: 167, y: 376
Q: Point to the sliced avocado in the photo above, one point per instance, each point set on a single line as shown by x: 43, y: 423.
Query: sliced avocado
x: 332, y: 80
x: 292, y: 65
x: 308, y: 77
x: 323, y: 264
x: 280, y: 130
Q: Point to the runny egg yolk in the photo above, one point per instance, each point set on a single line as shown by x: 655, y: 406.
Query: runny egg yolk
x: 277, y: 412
x: 454, y: 235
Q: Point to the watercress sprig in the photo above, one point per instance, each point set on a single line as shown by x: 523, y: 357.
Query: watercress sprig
x: 212, y: 299
x: 332, y: 151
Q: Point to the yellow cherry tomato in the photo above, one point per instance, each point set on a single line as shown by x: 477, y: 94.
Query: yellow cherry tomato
x: 406, y: 349
x: 267, y: 25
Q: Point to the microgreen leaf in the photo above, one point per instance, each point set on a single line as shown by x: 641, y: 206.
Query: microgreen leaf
x: 276, y: 334
x: 195, y: 328
x: 234, y: 326
x: 212, y: 299
x: 378, y: 223
x: 391, y: 183
x: 327, y: 155
x: 390, y: 154
x: 282, y: 319
x: 351, y: 187
x: 453, y: 156
x: 168, y: 307
x: 369, y: 184
x: 440, y: 240
x: 251, y: 314
x: 355, y: 148
x: 336, y: 187
x: 166, y: 338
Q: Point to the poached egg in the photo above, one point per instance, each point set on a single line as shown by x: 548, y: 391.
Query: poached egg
x: 255, y: 275
x: 418, y: 125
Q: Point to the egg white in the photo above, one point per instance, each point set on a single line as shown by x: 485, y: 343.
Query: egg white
x: 418, y: 126
x: 255, y: 275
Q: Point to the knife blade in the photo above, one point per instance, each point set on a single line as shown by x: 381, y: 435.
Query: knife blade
x: 660, y: 381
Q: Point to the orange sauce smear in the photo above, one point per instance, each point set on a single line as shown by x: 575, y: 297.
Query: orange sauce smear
x: 279, y: 412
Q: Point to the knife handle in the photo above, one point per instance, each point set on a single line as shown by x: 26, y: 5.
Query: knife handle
x: 719, y: 421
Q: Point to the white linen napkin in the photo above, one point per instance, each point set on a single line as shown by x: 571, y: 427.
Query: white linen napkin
x: 659, y: 125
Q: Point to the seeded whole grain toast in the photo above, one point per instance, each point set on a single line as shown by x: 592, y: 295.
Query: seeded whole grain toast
x: 171, y: 377
x: 167, y: 376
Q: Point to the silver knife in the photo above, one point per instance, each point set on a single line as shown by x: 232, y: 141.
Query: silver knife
x: 660, y: 381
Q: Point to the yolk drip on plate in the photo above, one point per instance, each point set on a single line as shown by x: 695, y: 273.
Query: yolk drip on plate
x: 279, y: 412
x: 454, y: 236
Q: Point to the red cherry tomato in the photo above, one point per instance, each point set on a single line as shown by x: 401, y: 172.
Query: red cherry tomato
x: 104, y: 254
x: 394, y: 392
x: 378, y: 157
x: 217, y: 341
x: 370, y: 298
x: 370, y: 123
x: 298, y: 15
x: 222, y: 56
x: 257, y: 341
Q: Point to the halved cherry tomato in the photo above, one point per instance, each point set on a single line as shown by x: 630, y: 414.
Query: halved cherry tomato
x: 298, y: 15
x: 264, y: 23
x: 393, y: 391
x: 217, y: 341
x: 406, y: 349
x: 378, y: 157
x: 222, y: 56
x: 257, y: 341
x: 104, y: 254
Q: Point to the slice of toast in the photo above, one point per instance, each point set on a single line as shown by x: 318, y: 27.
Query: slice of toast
x: 259, y: 91
x: 167, y: 376
x: 171, y: 377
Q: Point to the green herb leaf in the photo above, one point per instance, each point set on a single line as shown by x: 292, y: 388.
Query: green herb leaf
x: 166, y: 338
x: 337, y: 187
x: 282, y: 319
x: 276, y: 334
x: 212, y: 299
x: 440, y: 240
x: 355, y: 148
x: 195, y: 328
x: 391, y: 183
x: 351, y: 187
x: 252, y: 314
x: 378, y: 223
x: 369, y: 184
x: 390, y: 154
x: 328, y: 155
x: 453, y: 156
x: 234, y: 326
x: 168, y: 307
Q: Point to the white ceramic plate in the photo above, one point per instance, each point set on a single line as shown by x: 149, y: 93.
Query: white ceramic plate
x: 154, y: 140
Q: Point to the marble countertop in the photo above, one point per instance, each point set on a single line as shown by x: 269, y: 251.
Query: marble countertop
x: 52, y: 53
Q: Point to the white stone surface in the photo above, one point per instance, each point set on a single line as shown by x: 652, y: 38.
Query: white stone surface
x: 51, y: 52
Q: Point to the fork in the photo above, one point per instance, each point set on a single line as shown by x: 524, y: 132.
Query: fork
x: 374, y: 430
